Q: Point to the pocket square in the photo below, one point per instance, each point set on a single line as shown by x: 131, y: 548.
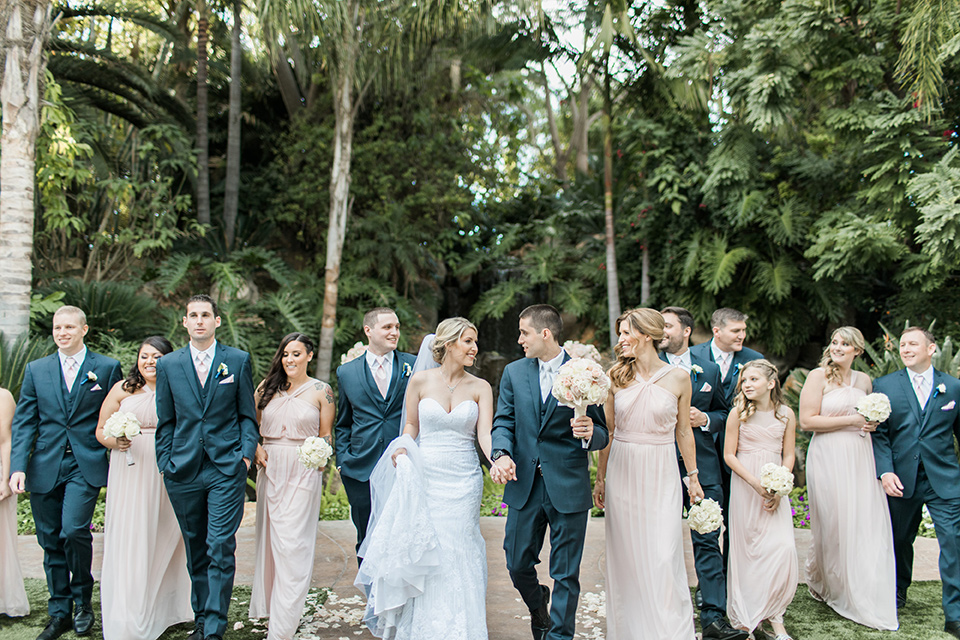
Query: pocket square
x: 227, y: 380
x: 706, y: 387
x: 950, y: 405
x: 96, y: 387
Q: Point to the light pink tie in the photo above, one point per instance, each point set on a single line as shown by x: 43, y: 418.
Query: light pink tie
x: 202, y: 369
x: 725, y: 365
x: 920, y: 384
x: 71, y: 375
x: 381, y: 377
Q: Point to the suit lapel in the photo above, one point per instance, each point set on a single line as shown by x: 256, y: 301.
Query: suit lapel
x: 80, y: 385
x: 533, y: 382
x: 394, y: 379
x: 910, y: 394
x: 186, y: 362
x: 212, y: 378
x: 937, y: 378
x: 367, y: 382
x: 55, y: 374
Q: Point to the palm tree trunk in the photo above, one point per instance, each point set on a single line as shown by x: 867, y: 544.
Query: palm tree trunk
x: 23, y: 57
x: 231, y: 196
x: 203, y: 151
x: 613, y: 291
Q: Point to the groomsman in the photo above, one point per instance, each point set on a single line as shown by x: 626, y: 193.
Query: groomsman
x: 538, y: 444
x: 708, y: 414
x: 917, y: 464
x: 206, y: 437
x: 369, y: 407
x: 56, y: 457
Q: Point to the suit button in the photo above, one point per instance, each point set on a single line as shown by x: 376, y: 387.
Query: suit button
x: 380, y: 441
x: 539, y: 439
x: 201, y: 440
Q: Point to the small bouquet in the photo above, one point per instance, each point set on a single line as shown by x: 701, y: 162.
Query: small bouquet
x: 314, y: 453
x: 353, y: 353
x: 122, y: 424
x: 706, y: 516
x: 580, y: 350
x: 874, y: 407
x: 579, y: 383
x: 776, y: 479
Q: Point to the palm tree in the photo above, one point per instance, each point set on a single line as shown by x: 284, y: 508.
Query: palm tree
x: 203, y: 145
x: 25, y: 32
x: 231, y: 194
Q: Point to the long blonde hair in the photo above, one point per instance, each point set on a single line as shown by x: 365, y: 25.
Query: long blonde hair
x: 746, y: 407
x: 647, y: 322
x: 850, y: 335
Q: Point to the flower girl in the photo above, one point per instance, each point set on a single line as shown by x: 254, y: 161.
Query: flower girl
x: 761, y: 432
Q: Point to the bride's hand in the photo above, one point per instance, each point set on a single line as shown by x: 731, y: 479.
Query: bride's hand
x: 399, y: 452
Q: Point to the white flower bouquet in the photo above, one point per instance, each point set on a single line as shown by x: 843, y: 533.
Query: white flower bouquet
x: 776, y: 479
x: 706, y: 516
x: 353, y: 353
x: 314, y: 453
x: 579, y: 383
x: 122, y: 424
x: 579, y: 350
x: 874, y: 407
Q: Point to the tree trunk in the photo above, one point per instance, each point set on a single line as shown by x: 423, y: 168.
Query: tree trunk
x: 203, y: 151
x: 645, y: 275
x: 231, y: 196
x: 613, y: 291
x: 343, y: 79
x: 23, y: 59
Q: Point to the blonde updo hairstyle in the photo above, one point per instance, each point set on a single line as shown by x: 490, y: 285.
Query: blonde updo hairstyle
x: 449, y: 331
x: 746, y: 407
x: 850, y: 335
x: 646, y: 322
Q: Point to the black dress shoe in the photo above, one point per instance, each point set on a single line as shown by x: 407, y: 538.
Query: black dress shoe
x: 901, y: 599
x: 213, y: 638
x: 55, y: 628
x: 722, y: 630
x: 540, y: 617
x: 953, y: 628
x: 197, y: 633
x: 83, y: 620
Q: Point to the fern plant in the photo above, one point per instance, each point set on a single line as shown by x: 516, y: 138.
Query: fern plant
x: 15, y: 356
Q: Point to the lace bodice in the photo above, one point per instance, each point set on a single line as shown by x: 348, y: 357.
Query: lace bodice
x: 455, y: 429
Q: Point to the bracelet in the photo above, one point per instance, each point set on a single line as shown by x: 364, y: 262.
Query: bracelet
x: 693, y: 473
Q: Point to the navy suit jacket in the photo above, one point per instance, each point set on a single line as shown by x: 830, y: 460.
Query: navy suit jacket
x: 742, y: 357
x: 531, y: 433
x: 708, y: 397
x: 911, y: 435
x: 366, y: 422
x: 221, y: 427
x: 43, y: 425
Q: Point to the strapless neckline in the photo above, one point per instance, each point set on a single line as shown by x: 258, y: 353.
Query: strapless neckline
x: 440, y: 406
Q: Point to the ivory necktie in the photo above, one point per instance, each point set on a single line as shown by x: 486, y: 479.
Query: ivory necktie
x: 920, y: 384
x: 71, y: 374
x: 202, y: 369
x: 381, y: 378
x: 725, y: 365
x: 546, y: 382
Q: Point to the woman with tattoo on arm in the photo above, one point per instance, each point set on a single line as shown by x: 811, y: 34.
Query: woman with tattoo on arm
x: 291, y: 407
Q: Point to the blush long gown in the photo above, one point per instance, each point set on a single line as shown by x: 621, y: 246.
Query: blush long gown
x: 647, y: 592
x: 13, y: 597
x: 851, y: 561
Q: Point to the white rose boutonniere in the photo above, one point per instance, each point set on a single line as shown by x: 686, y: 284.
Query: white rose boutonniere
x: 92, y: 377
x: 407, y: 370
x: 941, y: 388
x: 223, y: 370
x: 697, y: 370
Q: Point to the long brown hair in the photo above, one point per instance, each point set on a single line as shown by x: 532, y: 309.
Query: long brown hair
x: 746, y: 407
x: 647, y: 322
x: 276, y: 379
x: 135, y: 380
x: 850, y: 335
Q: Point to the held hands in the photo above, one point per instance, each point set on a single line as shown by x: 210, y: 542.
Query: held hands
x: 503, y: 470
x: 890, y: 481
x: 600, y: 493
x: 5, y: 491
x: 582, y: 427
x: 18, y: 481
x: 399, y: 452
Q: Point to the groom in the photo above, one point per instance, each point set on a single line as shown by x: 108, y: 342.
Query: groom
x: 56, y: 457
x: 368, y: 409
x: 537, y: 444
x: 917, y: 465
x: 206, y: 437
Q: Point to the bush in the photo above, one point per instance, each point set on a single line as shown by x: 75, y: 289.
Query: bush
x: 334, y: 506
x: 800, y: 508
x: 26, y: 526
x: 492, y: 504
x: 14, y: 358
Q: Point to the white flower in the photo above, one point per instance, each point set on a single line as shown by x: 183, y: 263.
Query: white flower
x: 223, y: 370
x: 92, y: 377
x: 874, y: 407
x: 776, y: 479
x: 696, y: 368
x: 314, y: 453
x: 122, y: 424
x: 580, y: 382
x: 941, y: 388
x: 705, y: 516
x: 579, y: 350
x: 354, y: 352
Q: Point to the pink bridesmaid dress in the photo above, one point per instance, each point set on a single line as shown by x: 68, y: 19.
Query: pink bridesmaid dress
x: 763, y: 568
x: 851, y: 562
x: 13, y: 597
x: 144, y: 586
x: 288, y: 512
x: 647, y: 592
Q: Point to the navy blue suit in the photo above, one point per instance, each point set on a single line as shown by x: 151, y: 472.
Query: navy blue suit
x: 552, y: 487
x: 708, y: 397
x: 366, y: 423
x: 203, y: 435
x: 916, y: 443
x: 55, y: 444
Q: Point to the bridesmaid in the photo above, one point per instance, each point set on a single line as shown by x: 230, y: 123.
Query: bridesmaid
x: 144, y: 585
x: 13, y: 597
x: 851, y: 561
x: 292, y: 406
x: 763, y: 570
x: 647, y: 412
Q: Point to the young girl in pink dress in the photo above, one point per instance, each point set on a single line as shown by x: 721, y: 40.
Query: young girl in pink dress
x: 763, y: 568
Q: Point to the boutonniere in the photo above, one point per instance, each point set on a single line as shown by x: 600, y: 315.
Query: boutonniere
x: 941, y: 388
x: 697, y: 370
x: 223, y: 370
x: 739, y: 367
x: 92, y: 377
x: 407, y: 370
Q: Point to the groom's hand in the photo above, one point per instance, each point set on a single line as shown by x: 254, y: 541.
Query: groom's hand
x: 506, y: 470
x: 18, y: 481
x: 892, y: 485
x: 582, y: 427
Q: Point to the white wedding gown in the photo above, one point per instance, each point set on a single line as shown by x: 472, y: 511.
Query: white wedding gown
x: 433, y: 543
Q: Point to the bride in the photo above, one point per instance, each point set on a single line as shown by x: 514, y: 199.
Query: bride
x: 424, y: 561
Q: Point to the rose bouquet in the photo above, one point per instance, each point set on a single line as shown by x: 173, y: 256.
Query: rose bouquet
x: 874, y: 407
x: 579, y: 383
x: 122, y: 424
x: 353, y: 353
x: 314, y: 453
x: 706, y: 516
x: 776, y: 479
x: 580, y: 350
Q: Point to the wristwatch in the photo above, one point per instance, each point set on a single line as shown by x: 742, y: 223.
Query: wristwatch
x: 497, y: 454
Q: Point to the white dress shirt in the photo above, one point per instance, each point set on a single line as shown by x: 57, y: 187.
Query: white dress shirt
x: 684, y: 361
x: 78, y: 357
x: 210, y: 352
x: 720, y: 356
x: 927, y: 377
x: 374, y: 361
x: 548, y: 372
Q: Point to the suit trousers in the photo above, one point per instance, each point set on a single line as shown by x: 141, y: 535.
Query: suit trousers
x: 62, y: 517
x: 523, y: 540
x: 906, y: 514
x: 709, y: 563
x: 209, y: 509
x: 358, y: 493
